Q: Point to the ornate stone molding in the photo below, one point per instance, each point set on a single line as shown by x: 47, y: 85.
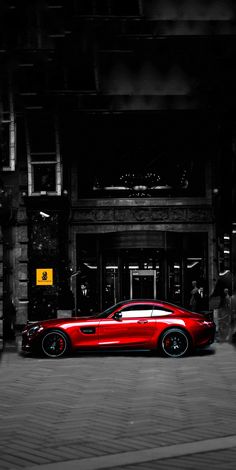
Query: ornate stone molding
x: 168, y: 214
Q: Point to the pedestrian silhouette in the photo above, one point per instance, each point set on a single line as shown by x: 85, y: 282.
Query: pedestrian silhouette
x: 195, y: 297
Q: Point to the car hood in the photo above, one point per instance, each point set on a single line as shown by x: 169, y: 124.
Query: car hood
x: 58, y: 321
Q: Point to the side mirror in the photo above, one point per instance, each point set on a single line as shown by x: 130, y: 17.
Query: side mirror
x: 118, y: 316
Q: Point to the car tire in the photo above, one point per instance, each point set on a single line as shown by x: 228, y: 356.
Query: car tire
x: 175, y: 343
x: 54, y: 344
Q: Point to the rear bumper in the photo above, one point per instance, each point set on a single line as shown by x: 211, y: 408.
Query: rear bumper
x: 207, y: 337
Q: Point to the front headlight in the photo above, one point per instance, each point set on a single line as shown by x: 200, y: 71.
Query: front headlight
x: 34, y: 329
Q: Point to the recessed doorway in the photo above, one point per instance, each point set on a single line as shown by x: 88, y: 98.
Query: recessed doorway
x: 143, y: 284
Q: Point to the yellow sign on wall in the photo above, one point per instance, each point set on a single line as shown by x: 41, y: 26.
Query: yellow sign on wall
x: 44, y: 277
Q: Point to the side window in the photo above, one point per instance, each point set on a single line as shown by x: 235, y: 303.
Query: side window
x: 160, y: 311
x: 137, y: 310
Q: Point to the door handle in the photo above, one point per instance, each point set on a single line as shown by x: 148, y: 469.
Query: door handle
x: 142, y: 321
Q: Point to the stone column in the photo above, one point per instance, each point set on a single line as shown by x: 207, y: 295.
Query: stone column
x: 72, y: 253
x: 233, y: 235
x: 20, y: 266
x: 212, y: 257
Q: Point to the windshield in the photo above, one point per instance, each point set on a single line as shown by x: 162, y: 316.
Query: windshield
x: 106, y: 312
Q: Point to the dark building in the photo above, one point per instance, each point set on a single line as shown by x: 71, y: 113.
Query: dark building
x: 117, y: 152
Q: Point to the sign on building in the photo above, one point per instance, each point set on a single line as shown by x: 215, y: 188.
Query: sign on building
x: 44, y: 277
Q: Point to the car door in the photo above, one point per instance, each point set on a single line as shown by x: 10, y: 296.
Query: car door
x: 135, y: 327
x: 84, y: 332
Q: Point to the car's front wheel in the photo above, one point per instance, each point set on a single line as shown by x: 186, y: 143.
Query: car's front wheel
x: 54, y: 344
x: 174, y: 343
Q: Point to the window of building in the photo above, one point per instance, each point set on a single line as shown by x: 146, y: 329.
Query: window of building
x: 44, y: 161
x: 145, y: 177
x: 108, y: 7
x: 133, y: 159
x: 123, y: 8
x: 7, y: 132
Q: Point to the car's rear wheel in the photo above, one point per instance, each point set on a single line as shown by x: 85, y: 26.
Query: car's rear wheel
x: 174, y: 343
x: 55, y: 344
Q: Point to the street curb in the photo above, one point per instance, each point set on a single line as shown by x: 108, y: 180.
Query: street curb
x: 13, y: 345
x: 141, y: 456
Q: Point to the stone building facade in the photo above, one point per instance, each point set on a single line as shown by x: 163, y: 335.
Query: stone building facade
x: 117, y: 143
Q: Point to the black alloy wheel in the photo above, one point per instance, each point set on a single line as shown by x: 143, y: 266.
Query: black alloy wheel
x: 174, y: 343
x: 54, y: 344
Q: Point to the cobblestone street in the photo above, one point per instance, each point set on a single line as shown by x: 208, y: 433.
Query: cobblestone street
x: 119, y: 410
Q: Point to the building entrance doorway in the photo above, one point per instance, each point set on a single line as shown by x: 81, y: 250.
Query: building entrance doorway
x: 133, y: 274
x: 143, y: 284
x: 139, y: 265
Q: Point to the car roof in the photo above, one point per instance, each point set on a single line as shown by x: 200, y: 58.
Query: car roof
x: 155, y: 301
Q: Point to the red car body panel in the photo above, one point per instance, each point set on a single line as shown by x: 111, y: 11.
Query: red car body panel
x: 136, y: 329
x: 128, y: 332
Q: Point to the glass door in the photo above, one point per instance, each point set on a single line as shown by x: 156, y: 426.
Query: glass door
x: 175, y: 274
x: 110, y: 280
x: 141, y: 274
x: 143, y: 284
x: 131, y: 274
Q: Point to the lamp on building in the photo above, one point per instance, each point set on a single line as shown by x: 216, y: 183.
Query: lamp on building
x: 44, y: 214
x: 2, y: 191
x: 5, y: 192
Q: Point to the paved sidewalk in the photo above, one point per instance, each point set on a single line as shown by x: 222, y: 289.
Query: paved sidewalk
x: 118, y: 410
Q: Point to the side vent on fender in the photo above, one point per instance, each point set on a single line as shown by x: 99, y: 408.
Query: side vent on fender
x: 88, y: 331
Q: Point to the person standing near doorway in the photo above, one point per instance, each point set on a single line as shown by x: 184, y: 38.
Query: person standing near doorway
x: 225, y: 316
x: 85, y: 300
x: 194, y: 297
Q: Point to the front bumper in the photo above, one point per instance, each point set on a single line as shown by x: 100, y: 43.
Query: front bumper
x: 25, y: 344
x: 29, y: 344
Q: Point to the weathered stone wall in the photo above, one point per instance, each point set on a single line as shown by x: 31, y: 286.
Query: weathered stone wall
x: 1, y: 289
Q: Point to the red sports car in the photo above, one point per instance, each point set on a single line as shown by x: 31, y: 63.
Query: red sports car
x: 136, y: 324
